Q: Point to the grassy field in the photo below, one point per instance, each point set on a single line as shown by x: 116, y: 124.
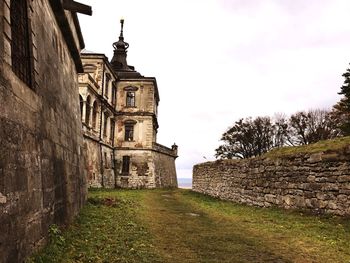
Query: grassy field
x: 182, y: 226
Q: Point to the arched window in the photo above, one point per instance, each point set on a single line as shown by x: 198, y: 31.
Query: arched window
x: 94, y: 115
x: 88, y: 109
x: 81, y: 106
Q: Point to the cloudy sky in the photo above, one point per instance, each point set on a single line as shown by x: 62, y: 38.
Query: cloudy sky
x: 219, y: 60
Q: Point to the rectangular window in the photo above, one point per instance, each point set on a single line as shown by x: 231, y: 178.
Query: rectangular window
x: 111, y: 135
x: 112, y: 161
x: 126, y: 165
x: 105, y: 125
x: 130, y: 99
x: 113, y: 94
x: 105, y: 161
x: 108, y: 80
x: 20, y: 43
x: 129, y: 132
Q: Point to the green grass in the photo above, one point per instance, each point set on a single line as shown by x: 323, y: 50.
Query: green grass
x: 321, y: 146
x: 183, y: 226
x: 107, y: 230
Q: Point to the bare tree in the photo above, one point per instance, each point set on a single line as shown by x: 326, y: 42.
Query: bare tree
x: 311, y: 126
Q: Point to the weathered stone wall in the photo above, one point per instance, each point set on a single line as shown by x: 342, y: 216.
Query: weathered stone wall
x: 164, y: 162
x: 42, y: 175
x: 93, y: 154
x: 317, y: 182
x: 148, y: 168
x: 141, y: 171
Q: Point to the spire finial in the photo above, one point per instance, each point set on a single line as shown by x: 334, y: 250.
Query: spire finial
x: 121, y: 45
x: 122, y: 27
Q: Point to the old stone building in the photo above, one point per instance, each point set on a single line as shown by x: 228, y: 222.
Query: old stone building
x: 97, y: 89
x: 119, y: 114
x: 42, y: 174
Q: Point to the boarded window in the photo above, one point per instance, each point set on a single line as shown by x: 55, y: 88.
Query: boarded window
x: 20, y: 42
x: 126, y: 164
x: 130, y: 99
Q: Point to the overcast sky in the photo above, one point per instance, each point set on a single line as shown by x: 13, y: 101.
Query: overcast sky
x: 220, y: 60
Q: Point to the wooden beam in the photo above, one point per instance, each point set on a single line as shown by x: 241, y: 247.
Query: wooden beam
x: 77, y: 7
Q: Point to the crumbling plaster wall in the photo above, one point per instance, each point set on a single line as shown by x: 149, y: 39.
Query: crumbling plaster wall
x: 141, y: 171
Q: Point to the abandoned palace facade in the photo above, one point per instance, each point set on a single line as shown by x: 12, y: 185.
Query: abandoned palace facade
x: 119, y: 109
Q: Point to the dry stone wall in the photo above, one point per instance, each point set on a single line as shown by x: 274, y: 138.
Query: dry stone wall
x: 318, y: 182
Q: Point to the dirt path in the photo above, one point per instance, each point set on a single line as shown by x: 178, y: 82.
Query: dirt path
x: 184, y: 233
x: 179, y: 226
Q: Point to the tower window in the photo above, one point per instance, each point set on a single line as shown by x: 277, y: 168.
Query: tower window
x: 126, y: 164
x: 129, y: 132
x: 20, y: 44
x: 130, y: 99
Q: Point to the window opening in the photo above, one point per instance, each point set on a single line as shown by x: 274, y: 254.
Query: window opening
x: 129, y: 132
x: 130, y: 99
x: 111, y: 135
x: 105, y: 124
x: 20, y: 43
x: 105, y: 157
x: 126, y: 164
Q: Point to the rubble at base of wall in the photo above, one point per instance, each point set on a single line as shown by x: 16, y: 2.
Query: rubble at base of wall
x: 319, y: 183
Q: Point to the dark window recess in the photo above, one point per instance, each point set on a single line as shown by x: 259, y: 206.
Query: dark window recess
x: 130, y: 99
x: 113, y: 95
x: 129, y: 132
x: 81, y: 106
x: 105, y: 125
x: 108, y: 79
x: 20, y: 43
x: 111, y: 135
x: 126, y: 164
x: 105, y: 157
x: 112, y: 161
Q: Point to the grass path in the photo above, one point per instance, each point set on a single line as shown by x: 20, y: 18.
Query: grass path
x: 182, y: 226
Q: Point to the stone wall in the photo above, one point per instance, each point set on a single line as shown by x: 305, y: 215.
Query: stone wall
x: 318, y: 182
x: 141, y: 171
x: 165, y: 170
x: 148, y: 168
x: 42, y: 173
